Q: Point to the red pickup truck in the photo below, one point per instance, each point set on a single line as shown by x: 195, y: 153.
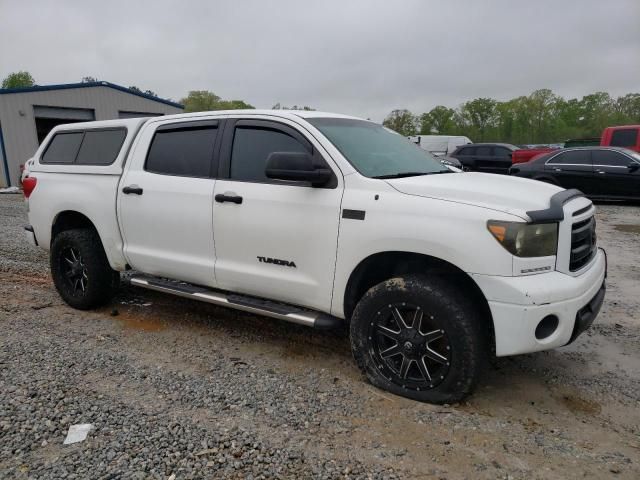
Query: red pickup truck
x: 526, y: 154
x: 627, y: 136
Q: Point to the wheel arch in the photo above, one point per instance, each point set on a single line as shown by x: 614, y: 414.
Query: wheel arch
x: 71, y: 219
x: 68, y: 220
x: 381, y: 266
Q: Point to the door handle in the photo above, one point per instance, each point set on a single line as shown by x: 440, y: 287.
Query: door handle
x: 222, y: 197
x: 558, y: 169
x: 132, y: 189
x: 601, y: 172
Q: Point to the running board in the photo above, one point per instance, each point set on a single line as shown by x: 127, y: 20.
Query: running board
x: 245, y: 303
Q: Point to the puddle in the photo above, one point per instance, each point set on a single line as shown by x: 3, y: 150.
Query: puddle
x: 628, y: 228
x: 580, y: 405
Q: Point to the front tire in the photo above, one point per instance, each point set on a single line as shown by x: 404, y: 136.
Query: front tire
x: 420, y: 338
x: 80, y: 269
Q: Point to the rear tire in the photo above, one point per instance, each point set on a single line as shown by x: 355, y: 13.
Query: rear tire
x: 80, y: 269
x: 418, y: 337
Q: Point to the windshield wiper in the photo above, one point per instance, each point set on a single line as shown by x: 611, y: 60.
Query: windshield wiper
x: 409, y: 174
x: 401, y: 175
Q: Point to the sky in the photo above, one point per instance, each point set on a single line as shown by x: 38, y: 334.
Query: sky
x: 358, y: 57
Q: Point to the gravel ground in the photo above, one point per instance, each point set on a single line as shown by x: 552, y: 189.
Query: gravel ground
x: 179, y: 389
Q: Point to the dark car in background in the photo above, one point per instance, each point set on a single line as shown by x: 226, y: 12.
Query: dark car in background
x: 485, y: 157
x: 599, y: 172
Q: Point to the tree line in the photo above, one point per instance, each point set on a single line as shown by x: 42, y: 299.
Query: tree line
x: 541, y: 117
x: 195, y: 101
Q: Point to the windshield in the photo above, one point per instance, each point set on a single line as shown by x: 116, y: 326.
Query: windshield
x: 375, y: 151
x: 633, y: 154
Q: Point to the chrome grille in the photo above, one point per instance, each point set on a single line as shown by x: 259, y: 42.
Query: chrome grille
x: 583, y: 243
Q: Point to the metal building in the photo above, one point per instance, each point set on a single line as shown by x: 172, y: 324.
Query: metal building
x: 27, y: 115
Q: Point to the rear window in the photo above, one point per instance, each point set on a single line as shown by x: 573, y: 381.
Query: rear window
x: 63, y: 148
x: 100, y: 147
x: 627, y: 137
x: 91, y: 147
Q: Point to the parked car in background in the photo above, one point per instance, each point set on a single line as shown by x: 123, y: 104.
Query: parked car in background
x: 599, y: 172
x: 439, y: 145
x: 450, y: 162
x: 485, y: 157
x: 626, y: 136
x: 24, y: 170
x: 525, y: 154
x: 582, y: 142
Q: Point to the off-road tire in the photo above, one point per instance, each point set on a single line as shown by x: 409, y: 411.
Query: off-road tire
x: 89, y: 283
x: 446, y: 310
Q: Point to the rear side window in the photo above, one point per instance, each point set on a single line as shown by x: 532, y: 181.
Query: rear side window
x: 184, y: 150
x: 576, y: 157
x: 609, y: 158
x: 63, y: 148
x: 251, y: 148
x: 627, y: 137
x: 101, y: 147
x: 483, y: 151
x: 501, y: 152
x: 90, y: 147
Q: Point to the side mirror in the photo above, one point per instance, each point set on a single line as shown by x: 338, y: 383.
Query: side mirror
x: 633, y: 166
x: 296, y: 167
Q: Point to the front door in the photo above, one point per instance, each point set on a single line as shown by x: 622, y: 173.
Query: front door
x: 166, y: 201
x: 274, y: 239
x: 613, y: 176
x: 573, y: 169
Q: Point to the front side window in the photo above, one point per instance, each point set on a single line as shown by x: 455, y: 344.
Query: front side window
x: 610, y: 158
x: 375, y: 151
x: 184, y: 150
x: 576, y: 157
x: 63, y: 148
x: 627, y: 137
x: 252, y: 147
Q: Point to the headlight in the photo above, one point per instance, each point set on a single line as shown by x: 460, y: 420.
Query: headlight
x: 525, y: 239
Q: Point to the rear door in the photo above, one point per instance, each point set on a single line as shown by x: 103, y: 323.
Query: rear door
x: 483, y: 159
x: 613, y: 176
x: 274, y: 239
x: 166, y: 200
x: 500, y: 161
x: 573, y: 169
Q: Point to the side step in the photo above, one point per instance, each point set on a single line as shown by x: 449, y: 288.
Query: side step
x: 245, y: 303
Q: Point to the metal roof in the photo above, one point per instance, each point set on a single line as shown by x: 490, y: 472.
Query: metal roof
x: 65, y: 86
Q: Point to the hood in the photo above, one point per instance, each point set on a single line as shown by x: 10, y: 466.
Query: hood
x: 504, y: 193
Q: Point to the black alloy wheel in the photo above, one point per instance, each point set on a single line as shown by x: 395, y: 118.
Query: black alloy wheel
x: 411, y: 350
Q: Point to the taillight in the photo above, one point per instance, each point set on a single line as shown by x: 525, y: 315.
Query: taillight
x: 29, y: 185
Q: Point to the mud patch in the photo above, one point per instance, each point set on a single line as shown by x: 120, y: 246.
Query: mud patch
x: 580, y: 405
x: 626, y: 228
x: 140, y: 322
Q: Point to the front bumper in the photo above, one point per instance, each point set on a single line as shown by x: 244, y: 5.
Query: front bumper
x: 518, y: 304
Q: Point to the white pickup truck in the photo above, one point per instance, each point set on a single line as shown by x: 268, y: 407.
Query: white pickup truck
x: 322, y: 220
